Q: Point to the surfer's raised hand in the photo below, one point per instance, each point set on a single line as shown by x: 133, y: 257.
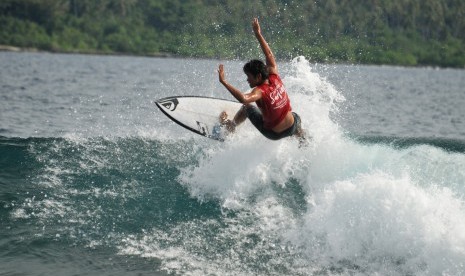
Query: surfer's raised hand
x: 221, y: 74
x: 256, y: 26
x: 270, y: 60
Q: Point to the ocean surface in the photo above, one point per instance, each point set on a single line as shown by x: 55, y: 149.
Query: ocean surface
x: 95, y: 180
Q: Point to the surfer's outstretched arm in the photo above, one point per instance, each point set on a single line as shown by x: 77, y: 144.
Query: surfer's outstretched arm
x: 270, y: 59
x: 245, y: 98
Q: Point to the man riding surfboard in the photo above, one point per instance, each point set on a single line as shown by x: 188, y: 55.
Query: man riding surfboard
x: 273, y: 117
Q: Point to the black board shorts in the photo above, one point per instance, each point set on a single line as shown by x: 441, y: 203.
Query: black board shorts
x: 255, y: 116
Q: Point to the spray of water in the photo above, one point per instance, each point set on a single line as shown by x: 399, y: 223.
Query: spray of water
x: 367, y: 208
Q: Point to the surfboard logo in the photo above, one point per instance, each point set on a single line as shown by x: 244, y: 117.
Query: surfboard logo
x: 170, y: 104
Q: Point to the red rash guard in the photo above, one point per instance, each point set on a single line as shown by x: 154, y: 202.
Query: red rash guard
x: 275, y: 103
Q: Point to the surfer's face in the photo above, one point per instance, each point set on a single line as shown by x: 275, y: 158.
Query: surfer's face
x: 254, y: 81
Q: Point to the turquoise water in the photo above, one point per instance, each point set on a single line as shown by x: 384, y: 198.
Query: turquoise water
x: 94, y: 180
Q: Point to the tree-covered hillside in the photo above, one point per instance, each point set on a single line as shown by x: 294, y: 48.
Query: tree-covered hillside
x: 405, y: 32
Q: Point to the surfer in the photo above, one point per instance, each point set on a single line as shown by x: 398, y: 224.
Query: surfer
x: 273, y: 117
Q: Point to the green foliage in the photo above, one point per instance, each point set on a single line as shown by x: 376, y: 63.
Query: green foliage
x: 404, y: 32
x: 23, y: 33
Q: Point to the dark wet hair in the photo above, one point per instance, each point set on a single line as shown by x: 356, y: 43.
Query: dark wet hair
x: 255, y: 67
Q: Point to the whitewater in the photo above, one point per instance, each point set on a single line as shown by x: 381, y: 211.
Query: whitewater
x: 115, y: 188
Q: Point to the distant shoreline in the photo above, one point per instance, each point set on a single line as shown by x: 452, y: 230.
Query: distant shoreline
x: 10, y: 48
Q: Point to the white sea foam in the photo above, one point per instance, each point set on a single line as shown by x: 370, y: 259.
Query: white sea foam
x: 371, y: 209
x: 386, y: 225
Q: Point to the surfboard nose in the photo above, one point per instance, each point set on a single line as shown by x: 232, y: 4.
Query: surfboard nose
x: 169, y: 104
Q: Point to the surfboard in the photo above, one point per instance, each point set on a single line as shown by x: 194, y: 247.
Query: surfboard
x: 199, y: 114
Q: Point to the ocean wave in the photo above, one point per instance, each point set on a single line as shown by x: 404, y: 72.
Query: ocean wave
x: 248, y: 206
x: 447, y: 144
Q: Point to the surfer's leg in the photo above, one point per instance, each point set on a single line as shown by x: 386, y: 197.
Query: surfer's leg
x: 241, y: 115
x: 239, y: 118
x: 256, y: 118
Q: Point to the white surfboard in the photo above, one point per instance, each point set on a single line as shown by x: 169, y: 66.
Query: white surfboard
x: 199, y: 114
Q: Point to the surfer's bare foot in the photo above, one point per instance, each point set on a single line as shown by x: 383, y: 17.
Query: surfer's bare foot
x: 230, y: 125
x: 223, y: 117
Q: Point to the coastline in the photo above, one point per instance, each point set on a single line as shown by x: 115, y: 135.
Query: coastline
x: 10, y: 48
x: 15, y: 49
